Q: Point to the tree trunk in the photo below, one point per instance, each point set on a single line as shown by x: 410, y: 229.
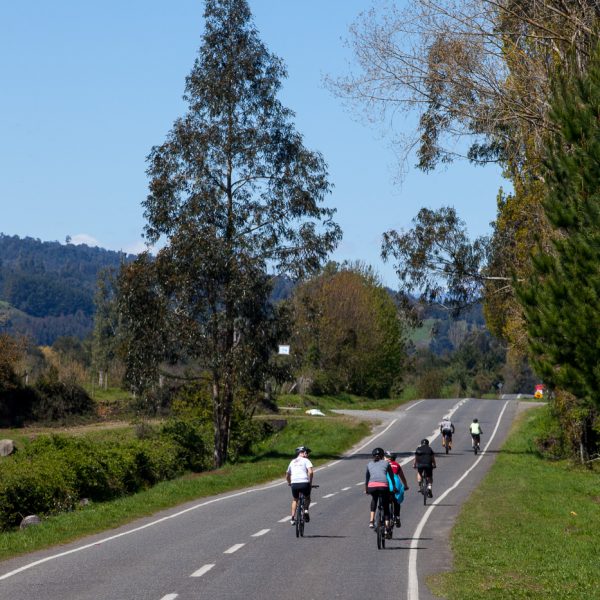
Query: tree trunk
x: 222, y: 409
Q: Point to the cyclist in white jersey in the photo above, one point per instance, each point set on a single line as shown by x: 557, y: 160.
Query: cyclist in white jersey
x: 299, y: 475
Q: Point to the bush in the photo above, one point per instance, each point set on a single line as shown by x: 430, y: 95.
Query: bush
x: 58, y: 400
x: 16, y: 405
x: 40, y: 487
x: 194, y: 452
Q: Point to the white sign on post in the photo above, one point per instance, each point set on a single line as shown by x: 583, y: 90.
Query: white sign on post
x: 284, y: 349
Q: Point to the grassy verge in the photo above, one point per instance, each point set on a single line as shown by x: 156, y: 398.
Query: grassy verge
x: 328, y: 437
x: 306, y: 401
x: 529, y: 531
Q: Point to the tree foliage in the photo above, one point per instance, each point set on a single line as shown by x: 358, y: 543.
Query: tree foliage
x: 233, y: 192
x: 348, y: 333
x: 478, y: 71
x: 562, y: 299
x: 437, y: 258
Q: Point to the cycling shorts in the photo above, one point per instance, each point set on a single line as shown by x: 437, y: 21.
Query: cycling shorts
x: 447, y: 432
x: 476, y: 437
x: 303, y: 487
x: 426, y: 470
x: 386, y: 496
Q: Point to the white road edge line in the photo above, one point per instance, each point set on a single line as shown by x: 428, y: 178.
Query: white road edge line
x: 234, y: 548
x: 261, y: 532
x: 173, y: 516
x: 413, y: 582
x: 202, y: 570
x: 415, y: 404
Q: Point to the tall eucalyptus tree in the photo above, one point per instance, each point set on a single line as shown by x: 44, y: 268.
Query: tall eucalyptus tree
x: 234, y: 194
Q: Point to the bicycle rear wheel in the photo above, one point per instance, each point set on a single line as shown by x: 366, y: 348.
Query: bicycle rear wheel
x: 424, y: 490
x: 447, y: 445
x: 380, y: 527
x: 299, y: 518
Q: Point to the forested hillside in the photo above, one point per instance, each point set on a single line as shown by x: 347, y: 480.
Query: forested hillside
x: 47, y: 288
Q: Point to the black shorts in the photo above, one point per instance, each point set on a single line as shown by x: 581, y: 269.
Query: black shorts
x: 386, y: 496
x: 426, y: 470
x: 447, y: 433
x: 303, y: 487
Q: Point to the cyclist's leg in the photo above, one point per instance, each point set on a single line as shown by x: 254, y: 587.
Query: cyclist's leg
x: 374, y: 496
x: 306, y: 501
x: 295, y: 494
x: 386, y: 506
x: 428, y: 472
x: 396, y: 511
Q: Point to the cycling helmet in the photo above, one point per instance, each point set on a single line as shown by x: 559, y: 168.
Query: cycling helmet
x: 378, y: 452
x: 302, y: 449
x: 424, y: 442
x: 475, y: 420
x: 391, y: 455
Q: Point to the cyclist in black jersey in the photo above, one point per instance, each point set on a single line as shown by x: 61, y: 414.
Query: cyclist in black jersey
x: 424, y: 462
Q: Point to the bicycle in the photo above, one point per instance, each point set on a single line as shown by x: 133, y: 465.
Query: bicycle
x: 299, y: 514
x: 380, y: 528
x: 476, y: 447
x: 423, y: 488
x: 423, y: 485
x: 447, y: 440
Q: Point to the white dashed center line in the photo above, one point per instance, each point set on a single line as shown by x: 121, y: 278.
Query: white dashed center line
x: 201, y: 571
x: 329, y: 495
x: 344, y: 489
x: 284, y: 519
x: 261, y: 532
x: 234, y: 548
x: 169, y: 597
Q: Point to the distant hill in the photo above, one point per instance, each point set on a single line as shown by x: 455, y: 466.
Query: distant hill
x: 47, y: 288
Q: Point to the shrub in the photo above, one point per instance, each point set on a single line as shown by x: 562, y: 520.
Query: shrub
x: 191, y: 437
x: 39, y: 487
x: 57, y: 400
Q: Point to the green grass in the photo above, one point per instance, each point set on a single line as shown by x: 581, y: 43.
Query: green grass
x: 422, y: 335
x: 349, y: 401
x: 530, y: 530
x: 328, y: 437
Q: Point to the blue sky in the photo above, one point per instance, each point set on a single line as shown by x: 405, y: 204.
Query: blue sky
x: 88, y: 89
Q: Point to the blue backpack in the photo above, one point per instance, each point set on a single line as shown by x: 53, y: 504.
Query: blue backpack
x: 399, y: 486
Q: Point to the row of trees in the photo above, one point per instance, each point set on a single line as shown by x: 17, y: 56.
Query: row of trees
x: 520, y: 79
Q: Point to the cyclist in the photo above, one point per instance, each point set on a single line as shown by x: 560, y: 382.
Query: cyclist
x: 475, y: 429
x: 299, y: 475
x: 398, y: 477
x: 376, y: 484
x: 424, y: 462
x: 447, y: 429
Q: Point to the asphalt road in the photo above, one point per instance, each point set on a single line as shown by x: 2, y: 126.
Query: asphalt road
x: 241, y: 545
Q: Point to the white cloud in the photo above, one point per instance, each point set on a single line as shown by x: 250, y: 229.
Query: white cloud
x: 84, y: 238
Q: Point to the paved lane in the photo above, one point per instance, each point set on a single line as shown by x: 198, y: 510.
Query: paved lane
x: 240, y: 545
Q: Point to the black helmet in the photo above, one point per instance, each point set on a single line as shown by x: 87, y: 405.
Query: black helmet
x: 389, y: 454
x: 475, y: 420
x: 378, y: 452
x: 424, y: 442
x: 302, y: 449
